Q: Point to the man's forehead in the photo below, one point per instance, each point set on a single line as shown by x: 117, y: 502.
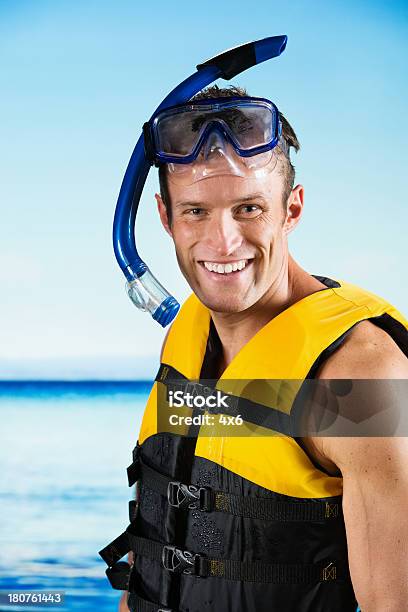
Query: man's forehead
x: 227, y: 190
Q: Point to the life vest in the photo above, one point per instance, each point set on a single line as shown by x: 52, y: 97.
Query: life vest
x: 243, y: 522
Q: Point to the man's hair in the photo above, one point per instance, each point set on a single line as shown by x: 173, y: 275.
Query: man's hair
x: 286, y: 167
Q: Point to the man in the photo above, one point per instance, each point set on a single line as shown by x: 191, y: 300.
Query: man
x: 229, y: 222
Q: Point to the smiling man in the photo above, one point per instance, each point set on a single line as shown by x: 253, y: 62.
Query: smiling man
x: 262, y: 520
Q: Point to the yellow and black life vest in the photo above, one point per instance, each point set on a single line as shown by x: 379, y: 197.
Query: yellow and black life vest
x: 243, y: 522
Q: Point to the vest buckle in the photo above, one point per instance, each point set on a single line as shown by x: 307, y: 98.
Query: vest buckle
x: 180, y: 495
x: 179, y: 561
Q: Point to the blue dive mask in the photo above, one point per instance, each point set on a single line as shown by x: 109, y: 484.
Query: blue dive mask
x: 215, y: 137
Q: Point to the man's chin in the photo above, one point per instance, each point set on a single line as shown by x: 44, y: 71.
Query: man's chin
x: 225, y: 304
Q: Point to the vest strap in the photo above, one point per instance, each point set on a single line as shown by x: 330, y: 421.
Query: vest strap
x: 193, y: 497
x: 133, y: 471
x: 178, y: 561
x: 119, y: 575
x: 276, y: 573
x: 116, y: 549
x: 167, y: 372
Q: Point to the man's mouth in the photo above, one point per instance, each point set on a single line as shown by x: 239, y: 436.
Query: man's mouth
x: 229, y: 267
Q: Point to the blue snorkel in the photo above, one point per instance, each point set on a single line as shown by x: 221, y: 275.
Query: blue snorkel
x: 142, y: 287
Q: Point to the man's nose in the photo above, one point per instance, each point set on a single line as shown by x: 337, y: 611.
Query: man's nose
x: 223, y: 235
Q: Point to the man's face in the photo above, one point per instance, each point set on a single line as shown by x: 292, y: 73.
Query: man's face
x: 230, y: 238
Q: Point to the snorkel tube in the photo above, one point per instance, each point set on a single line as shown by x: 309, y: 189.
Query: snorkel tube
x: 143, y: 288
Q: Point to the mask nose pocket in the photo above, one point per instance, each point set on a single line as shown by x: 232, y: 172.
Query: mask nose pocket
x: 214, y: 145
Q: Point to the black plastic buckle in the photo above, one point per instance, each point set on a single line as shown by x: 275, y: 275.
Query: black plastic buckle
x: 180, y: 495
x: 179, y: 561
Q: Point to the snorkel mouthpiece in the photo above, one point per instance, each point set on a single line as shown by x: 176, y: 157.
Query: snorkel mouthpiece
x: 149, y: 295
x: 143, y: 288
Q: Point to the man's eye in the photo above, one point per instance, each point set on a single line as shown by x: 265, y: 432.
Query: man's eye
x: 249, y: 210
x: 195, y: 212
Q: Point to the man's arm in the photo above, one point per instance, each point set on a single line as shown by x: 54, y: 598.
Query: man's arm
x: 375, y: 505
x: 375, y: 480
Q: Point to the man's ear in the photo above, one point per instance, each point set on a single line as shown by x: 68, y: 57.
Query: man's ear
x: 294, y: 208
x: 163, y: 214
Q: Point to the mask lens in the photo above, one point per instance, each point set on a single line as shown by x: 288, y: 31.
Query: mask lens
x: 175, y: 136
x: 178, y: 134
x: 253, y: 127
x: 248, y: 125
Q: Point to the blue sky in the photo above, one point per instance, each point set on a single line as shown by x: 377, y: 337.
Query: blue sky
x: 78, y: 80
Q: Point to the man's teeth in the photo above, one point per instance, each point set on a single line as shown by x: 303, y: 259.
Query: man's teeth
x: 225, y: 268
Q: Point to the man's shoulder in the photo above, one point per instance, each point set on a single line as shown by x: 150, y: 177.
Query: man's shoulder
x: 367, y: 352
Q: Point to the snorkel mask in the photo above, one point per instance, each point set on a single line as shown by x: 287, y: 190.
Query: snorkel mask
x: 234, y: 136
x: 196, y: 140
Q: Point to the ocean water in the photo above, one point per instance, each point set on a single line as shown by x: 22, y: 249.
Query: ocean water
x: 64, y: 449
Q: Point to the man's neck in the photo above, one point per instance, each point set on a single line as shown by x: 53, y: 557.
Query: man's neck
x: 236, y: 329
